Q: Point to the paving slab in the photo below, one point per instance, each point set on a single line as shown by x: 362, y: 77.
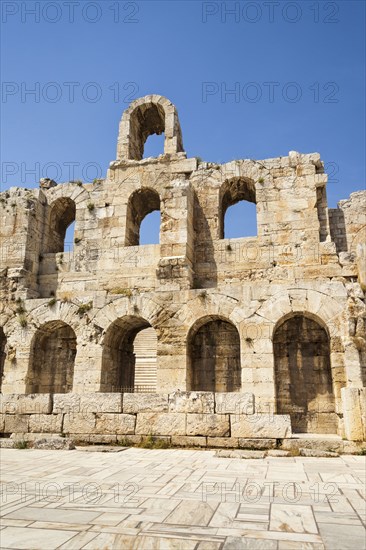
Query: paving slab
x: 180, y: 499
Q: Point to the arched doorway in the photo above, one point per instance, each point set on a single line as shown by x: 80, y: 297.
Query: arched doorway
x: 129, y: 356
x: 214, y: 357
x: 52, y: 359
x: 304, y: 388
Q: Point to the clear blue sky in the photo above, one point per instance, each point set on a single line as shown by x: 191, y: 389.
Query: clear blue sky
x: 302, y: 61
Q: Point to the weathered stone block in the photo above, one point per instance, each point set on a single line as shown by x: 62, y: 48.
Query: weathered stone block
x: 161, y: 424
x: 144, y: 402
x: 191, y: 402
x: 318, y: 453
x: 16, y: 423
x: 234, y: 402
x: 78, y: 423
x: 224, y: 442
x: 101, y: 402
x: 261, y: 426
x: 258, y: 444
x: 54, y: 444
x: 324, y: 444
x: 108, y: 423
x: 25, y: 404
x: 45, y: 423
x: 7, y: 443
x: 214, y: 425
x: 278, y: 453
x: 66, y: 403
x: 102, y: 439
x: 187, y: 441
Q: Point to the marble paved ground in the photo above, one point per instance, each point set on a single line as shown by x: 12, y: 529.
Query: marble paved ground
x: 181, y: 499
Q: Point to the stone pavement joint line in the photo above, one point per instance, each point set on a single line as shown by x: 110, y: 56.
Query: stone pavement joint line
x: 180, y: 499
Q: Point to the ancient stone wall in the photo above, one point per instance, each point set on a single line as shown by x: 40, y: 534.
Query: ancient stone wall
x: 251, y: 315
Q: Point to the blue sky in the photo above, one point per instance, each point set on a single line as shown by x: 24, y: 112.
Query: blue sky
x: 297, y: 69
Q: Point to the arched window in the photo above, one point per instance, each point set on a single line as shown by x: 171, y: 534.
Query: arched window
x: 303, y: 377
x: 214, y: 357
x: 52, y: 359
x: 237, y: 209
x: 142, y: 203
x: 2, y: 353
x: 61, y: 217
x: 129, y: 357
x: 152, y: 115
x: 147, y: 119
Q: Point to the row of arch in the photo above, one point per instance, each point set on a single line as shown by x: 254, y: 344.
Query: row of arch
x: 301, y: 347
x: 237, y: 210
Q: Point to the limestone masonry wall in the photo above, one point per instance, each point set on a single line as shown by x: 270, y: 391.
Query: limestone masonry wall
x: 278, y: 316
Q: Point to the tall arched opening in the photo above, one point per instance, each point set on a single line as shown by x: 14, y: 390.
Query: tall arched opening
x: 214, y: 356
x: 304, y: 388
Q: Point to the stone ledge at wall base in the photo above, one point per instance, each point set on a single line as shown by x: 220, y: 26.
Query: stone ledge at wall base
x: 243, y: 448
x: 152, y: 423
x: 51, y: 442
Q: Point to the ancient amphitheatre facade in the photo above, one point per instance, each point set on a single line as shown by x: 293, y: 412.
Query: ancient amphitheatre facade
x: 200, y: 339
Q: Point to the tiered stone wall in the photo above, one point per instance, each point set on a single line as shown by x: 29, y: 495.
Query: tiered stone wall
x: 305, y: 261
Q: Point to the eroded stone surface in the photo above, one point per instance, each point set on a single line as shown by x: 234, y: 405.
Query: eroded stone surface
x: 192, y: 402
x: 54, y: 444
x: 261, y: 426
x: 25, y: 404
x: 78, y: 423
x: 115, y: 423
x: 47, y: 423
x: 135, y: 402
x: 215, y: 425
x: 236, y: 403
x: 160, y: 424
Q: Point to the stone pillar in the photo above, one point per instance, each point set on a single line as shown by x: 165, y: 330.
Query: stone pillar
x: 354, y: 416
x: 171, y: 372
x: 176, y: 237
x: 257, y: 363
x: 353, y: 367
x: 88, y: 368
x: 16, y: 362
